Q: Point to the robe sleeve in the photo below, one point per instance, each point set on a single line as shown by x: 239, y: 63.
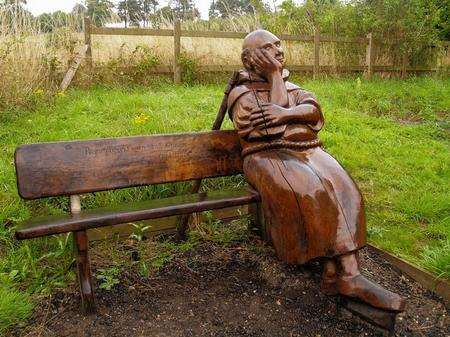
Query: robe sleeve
x: 306, y: 97
x: 241, y: 112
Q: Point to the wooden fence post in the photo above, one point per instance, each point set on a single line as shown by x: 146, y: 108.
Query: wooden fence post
x: 177, y: 49
x: 87, y: 41
x: 73, y: 68
x: 369, y: 56
x: 316, y: 52
x: 404, y: 64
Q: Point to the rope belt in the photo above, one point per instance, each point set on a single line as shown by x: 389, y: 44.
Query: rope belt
x: 279, y: 144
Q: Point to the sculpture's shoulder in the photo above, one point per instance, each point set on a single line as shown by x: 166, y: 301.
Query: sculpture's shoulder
x: 292, y: 86
x: 236, y: 93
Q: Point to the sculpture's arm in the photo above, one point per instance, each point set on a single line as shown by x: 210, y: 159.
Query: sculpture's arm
x: 278, y: 92
x: 271, y: 69
x: 241, y: 113
x: 272, y: 114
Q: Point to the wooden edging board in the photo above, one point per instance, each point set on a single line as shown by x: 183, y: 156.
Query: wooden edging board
x: 438, y: 286
x: 168, y: 225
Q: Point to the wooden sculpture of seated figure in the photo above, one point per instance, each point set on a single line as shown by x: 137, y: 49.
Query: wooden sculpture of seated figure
x: 312, y: 207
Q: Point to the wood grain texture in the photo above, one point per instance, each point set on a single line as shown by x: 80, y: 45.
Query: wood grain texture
x: 369, y: 56
x: 213, y: 34
x: 316, y: 52
x: 440, y: 287
x: 73, y: 68
x: 176, y: 52
x: 151, y: 209
x: 381, y: 318
x: 88, y: 41
x: 131, y: 31
x: 64, y: 168
x: 81, y: 245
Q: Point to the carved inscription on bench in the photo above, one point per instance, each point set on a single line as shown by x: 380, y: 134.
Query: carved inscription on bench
x: 62, y: 168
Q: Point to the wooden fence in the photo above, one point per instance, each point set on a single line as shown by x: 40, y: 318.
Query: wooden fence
x: 369, y: 68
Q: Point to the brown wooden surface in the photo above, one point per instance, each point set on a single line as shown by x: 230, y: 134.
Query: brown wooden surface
x: 438, y: 286
x: 81, y: 245
x: 342, y: 39
x: 184, y: 220
x: 131, y: 31
x: 88, y: 41
x: 312, y: 208
x: 176, y: 52
x: 151, y: 209
x: 316, y: 52
x: 73, y: 68
x: 213, y: 34
x: 166, y: 225
x: 381, y: 318
x: 403, y: 69
x: 369, y: 56
x: 64, y: 168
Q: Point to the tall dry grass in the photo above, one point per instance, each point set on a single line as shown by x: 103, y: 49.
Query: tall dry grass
x: 31, y: 62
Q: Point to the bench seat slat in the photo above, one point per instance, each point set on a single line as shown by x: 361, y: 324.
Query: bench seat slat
x: 151, y: 209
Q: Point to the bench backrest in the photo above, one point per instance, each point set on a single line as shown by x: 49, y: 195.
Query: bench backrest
x: 66, y: 168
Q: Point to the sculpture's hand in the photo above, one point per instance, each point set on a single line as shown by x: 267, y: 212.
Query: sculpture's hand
x: 270, y: 115
x: 265, y: 64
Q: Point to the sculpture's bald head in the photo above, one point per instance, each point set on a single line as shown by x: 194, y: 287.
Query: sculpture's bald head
x: 258, y: 38
x: 261, y: 39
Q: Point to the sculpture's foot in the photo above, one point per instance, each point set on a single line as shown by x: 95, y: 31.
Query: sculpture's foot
x: 369, y: 292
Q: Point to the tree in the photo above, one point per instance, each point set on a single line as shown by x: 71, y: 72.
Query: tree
x: 130, y: 11
x: 79, y: 9
x: 99, y: 10
x: 230, y: 8
x: 14, y: 16
x: 164, y: 13
x: 148, y: 9
x: 78, y: 13
x: 185, y: 10
x: 13, y: 2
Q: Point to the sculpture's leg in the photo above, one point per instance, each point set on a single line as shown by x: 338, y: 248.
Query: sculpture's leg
x: 352, y: 284
x: 329, y: 277
x: 84, y: 271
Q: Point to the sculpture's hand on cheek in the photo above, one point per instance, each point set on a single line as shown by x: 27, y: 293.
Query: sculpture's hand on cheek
x: 264, y: 63
x: 270, y: 115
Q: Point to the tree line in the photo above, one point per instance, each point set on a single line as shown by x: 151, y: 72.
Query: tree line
x: 137, y: 13
x: 422, y: 21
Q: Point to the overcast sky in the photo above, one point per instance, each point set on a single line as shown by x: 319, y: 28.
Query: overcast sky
x: 46, y: 6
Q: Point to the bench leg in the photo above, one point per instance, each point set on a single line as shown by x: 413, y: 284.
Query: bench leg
x: 257, y: 224
x: 182, y: 227
x: 84, y: 271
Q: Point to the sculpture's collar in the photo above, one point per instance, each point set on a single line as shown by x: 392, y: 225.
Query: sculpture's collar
x: 247, y: 76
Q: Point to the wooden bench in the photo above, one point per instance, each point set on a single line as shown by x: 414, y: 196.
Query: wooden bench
x: 72, y: 168
x: 77, y: 167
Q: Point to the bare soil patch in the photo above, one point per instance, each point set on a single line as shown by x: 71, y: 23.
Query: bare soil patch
x: 239, y: 290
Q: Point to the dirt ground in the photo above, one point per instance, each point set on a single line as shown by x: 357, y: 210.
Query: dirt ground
x: 232, y: 291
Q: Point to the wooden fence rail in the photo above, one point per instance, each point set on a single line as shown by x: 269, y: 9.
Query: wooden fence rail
x: 369, y: 68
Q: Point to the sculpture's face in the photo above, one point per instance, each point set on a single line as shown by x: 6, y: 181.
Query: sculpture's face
x: 261, y: 39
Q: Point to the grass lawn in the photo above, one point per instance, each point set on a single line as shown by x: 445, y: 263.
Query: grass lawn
x: 391, y: 135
